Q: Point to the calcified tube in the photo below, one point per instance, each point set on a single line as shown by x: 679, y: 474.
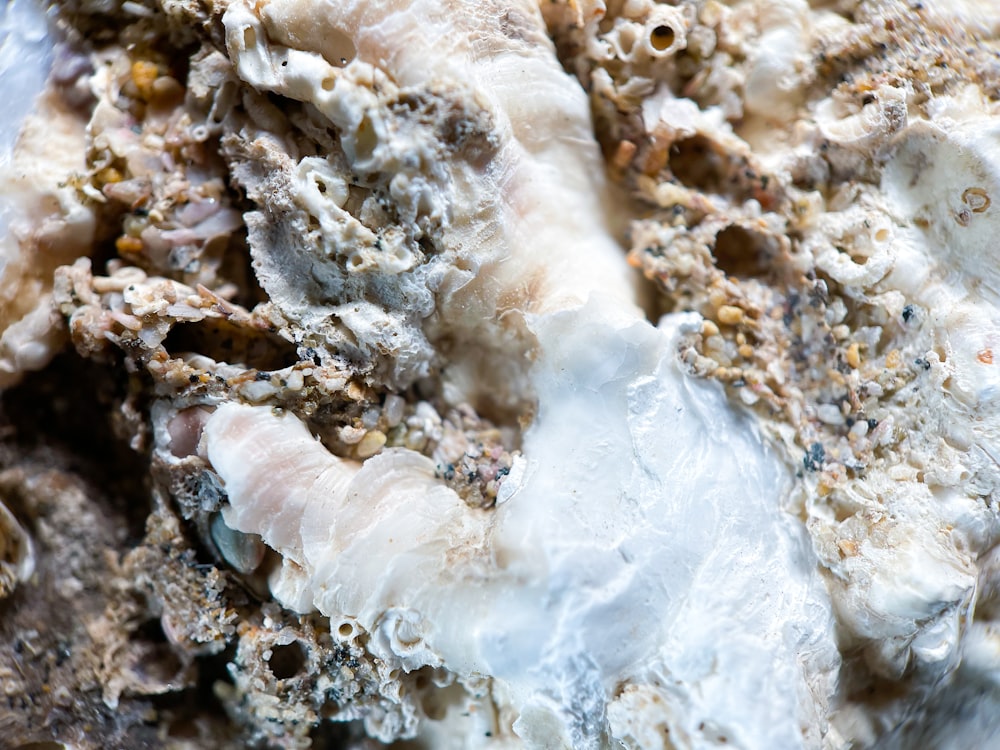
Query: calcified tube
x: 638, y: 575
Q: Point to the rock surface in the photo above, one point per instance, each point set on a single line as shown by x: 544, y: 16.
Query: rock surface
x: 494, y: 375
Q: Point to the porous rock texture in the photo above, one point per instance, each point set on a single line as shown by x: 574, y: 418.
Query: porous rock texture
x: 493, y: 375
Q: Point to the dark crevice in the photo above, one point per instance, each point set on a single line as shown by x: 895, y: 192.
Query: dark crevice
x: 742, y: 253
x: 224, y: 342
x: 75, y: 406
x: 698, y: 164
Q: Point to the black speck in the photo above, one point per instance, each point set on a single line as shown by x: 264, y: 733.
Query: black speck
x: 921, y: 362
x: 818, y: 295
x: 814, y: 457
x: 62, y: 654
x: 908, y: 312
x: 872, y: 424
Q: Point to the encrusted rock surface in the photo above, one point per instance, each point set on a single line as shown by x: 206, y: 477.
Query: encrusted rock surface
x: 493, y: 375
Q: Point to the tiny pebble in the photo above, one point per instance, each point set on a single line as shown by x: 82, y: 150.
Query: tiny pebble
x: 370, y: 444
x: 730, y: 315
x: 854, y: 355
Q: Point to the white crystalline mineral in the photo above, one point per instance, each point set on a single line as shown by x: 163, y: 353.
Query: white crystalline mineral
x: 637, y: 568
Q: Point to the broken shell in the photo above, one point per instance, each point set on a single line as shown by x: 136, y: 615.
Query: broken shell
x: 244, y: 552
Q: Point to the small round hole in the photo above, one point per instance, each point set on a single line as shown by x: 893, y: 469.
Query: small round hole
x: 287, y: 661
x: 365, y: 139
x: 185, y: 429
x: 661, y: 38
x: 328, y: 84
x: 882, y: 235
x: 346, y: 630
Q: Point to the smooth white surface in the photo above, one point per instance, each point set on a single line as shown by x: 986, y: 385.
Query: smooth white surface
x: 25, y: 58
x: 643, y: 546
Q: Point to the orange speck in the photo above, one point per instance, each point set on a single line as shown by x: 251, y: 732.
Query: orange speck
x: 143, y: 75
x: 848, y: 547
x: 623, y: 154
x: 127, y: 244
x: 854, y: 355
x: 730, y: 315
x: 109, y: 174
x: 985, y: 356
